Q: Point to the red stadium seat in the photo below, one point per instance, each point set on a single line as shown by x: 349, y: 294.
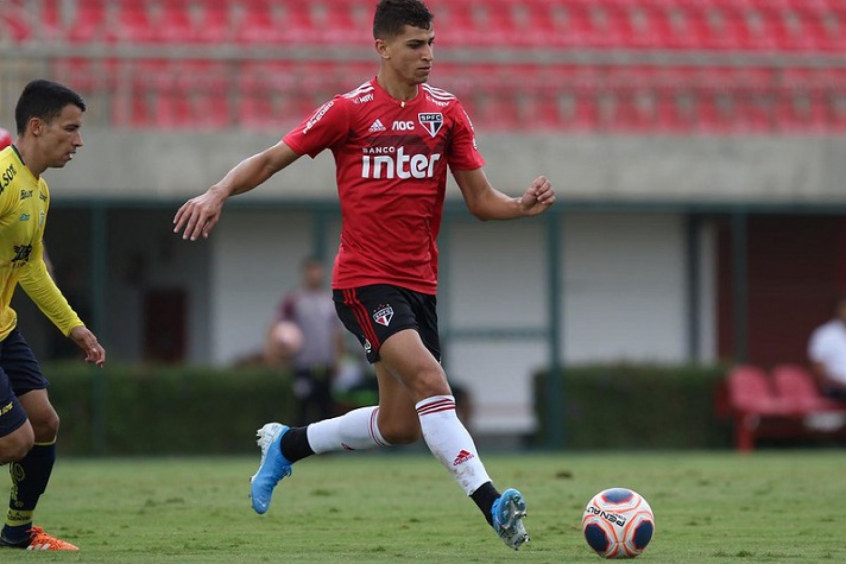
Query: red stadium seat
x: 264, y: 21
x: 177, y: 21
x: 89, y: 23
x: 341, y: 22
x: 756, y: 96
x: 798, y: 390
x: 800, y: 105
x: 212, y: 24
x: 834, y: 91
x: 455, y: 25
x: 15, y: 25
x: 129, y: 22
x: 752, y: 399
x: 676, y: 100
x: 51, y: 24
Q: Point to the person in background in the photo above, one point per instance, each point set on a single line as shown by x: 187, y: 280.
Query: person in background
x: 308, y: 337
x: 48, y: 118
x: 827, y: 353
x: 5, y: 138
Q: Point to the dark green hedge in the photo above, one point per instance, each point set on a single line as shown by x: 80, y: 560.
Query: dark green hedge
x: 122, y: 410
x: 155, y: 410
x: 637, y: 407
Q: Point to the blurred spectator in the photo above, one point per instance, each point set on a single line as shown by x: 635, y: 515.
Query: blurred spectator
x: 827, y: 352
x: 5, y: 138
x: 308, y: 336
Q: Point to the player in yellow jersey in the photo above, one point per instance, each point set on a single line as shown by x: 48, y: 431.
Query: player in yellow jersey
x: 48, y: 117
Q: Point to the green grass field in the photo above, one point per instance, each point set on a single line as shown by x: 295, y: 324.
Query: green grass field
x: 775, y: 506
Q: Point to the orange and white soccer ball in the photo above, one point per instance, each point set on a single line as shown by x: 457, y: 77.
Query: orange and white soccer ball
x: 618, y: 523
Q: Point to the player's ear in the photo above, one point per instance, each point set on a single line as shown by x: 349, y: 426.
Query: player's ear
x: 382, y: 48
x: 35, y: 126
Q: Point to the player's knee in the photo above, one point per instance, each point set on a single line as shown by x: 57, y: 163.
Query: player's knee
x: 401, y: 434
x: 46, y: 426
x: 430, y: 383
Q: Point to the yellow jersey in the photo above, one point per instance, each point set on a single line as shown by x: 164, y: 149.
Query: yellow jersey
x: 24, y: 202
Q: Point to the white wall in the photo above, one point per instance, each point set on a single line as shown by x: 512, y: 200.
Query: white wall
x: 256, y: 258
x: 624, y: 297
x: 494, y: 276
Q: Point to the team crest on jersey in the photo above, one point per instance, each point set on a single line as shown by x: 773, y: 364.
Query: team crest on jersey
x: 383, y: 315
x: 431, y: 122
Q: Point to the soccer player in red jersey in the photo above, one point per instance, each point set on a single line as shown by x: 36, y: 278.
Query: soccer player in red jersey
x: 393, y: 139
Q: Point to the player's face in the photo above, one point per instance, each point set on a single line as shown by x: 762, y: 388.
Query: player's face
x: 59, y: 139
x: 411, y: 54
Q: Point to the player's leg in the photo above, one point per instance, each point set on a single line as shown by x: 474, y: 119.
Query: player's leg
x: 16, y: 435
x: 357, y: 429
x: 30, y: 473
x: 412, y: 356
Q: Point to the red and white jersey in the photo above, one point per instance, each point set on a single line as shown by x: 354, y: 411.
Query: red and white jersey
x: 391, y: 161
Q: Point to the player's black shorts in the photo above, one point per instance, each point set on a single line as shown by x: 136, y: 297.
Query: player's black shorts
x: 374, y: 313
x: 19, y: 374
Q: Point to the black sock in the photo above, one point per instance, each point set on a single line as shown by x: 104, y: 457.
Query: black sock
x: 295, y: 445
x: 485, y: 496
x: 29, y: 480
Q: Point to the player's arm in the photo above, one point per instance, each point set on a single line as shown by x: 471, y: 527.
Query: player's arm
x: 199, y: 215
x: 486, y: 203
x: 42, y: 290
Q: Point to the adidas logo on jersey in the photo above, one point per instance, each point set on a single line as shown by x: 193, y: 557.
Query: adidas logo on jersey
x: 377, y: 126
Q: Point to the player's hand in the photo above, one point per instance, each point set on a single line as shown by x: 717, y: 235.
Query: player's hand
x: 199, y: 215
x: 87, y: 341
x: 537, y: 197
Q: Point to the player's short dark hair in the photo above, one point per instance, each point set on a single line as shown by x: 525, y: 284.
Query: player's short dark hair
x: 44, y: 99
x: 392, y: 15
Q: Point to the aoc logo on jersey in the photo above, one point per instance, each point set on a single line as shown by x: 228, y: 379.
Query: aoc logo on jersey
x: 431, y: 122
x: 392, y: 162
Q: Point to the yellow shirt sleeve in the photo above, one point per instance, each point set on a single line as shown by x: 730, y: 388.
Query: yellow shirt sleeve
x: 40, y: 287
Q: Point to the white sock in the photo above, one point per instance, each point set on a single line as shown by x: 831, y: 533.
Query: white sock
x: 450, y: 442
x: 355, y: 430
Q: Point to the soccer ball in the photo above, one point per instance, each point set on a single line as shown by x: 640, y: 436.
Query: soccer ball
x: 618, y: 523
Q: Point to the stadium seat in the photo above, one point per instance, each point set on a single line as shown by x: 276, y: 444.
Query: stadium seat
x: 340, y: 22
x: 265, y: 22
x: 455, y: 24
x: 798, y: 390
x: 214, y: 25
x: 800, y: 105
x: 51, y: 23
x: 676, y: 100
x: 129, y: 22
x: 751, y: 398
x: 15, y: 25
x: 756, y: 97
x: 89, y: 23
x: 178, y: 21
x: 201, y: 96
